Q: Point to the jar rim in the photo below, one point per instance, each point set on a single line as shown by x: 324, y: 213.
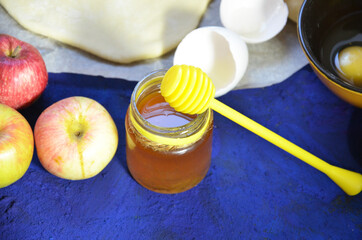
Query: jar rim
x: 181, y: 135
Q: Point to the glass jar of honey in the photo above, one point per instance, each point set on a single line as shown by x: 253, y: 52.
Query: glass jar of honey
x: 167, y: 151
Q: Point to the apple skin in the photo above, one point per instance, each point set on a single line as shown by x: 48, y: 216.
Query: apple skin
x: 24, y: 76
x: 16, y: 145
x: 75, y: 138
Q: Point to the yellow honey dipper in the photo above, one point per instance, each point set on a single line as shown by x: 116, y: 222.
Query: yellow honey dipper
x: 189, y: 90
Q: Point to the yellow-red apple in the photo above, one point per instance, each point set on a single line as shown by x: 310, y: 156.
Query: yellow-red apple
x: 16, y: 145
x: 23, y: 75
x: 75, y: 138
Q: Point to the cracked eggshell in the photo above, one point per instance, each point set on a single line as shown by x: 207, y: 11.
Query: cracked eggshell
x: 255, y: 21
x: 219, y: 52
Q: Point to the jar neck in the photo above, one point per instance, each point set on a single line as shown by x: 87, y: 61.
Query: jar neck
x: 182, y: 135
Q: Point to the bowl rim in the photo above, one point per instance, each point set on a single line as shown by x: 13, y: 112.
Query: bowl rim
x: 312, y: 58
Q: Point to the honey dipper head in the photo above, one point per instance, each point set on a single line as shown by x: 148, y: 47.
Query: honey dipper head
x: 187, y: 89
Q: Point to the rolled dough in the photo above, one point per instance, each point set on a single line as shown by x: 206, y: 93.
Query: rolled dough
x: 122, y: 31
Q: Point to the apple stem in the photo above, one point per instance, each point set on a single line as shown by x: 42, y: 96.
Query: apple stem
x: 15, y: 53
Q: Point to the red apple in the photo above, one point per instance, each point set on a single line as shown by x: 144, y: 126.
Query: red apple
x: 16, y: 145
x: 75, y: 138
x: 23, y: 75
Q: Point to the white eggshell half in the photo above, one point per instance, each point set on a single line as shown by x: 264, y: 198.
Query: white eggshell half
x: 219, y: 52
x: 254, y: 20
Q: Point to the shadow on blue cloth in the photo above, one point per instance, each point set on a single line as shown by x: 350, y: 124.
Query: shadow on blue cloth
x: 355, y: 135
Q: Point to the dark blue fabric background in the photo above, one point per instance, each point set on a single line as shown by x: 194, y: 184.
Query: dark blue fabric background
x: 253, y: 189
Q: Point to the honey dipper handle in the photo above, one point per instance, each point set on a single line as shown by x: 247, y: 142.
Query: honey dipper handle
x: 350, y: 182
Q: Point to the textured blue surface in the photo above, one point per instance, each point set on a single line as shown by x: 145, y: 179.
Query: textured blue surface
x: 253, y: 189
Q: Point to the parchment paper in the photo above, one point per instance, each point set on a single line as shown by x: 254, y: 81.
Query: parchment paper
x: 269, y: 62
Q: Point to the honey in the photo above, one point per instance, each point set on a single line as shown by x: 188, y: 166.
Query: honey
x: 159, y: 113
x: 167, y: 151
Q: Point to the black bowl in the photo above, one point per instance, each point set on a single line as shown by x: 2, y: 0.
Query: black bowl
x: 317, y: 18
